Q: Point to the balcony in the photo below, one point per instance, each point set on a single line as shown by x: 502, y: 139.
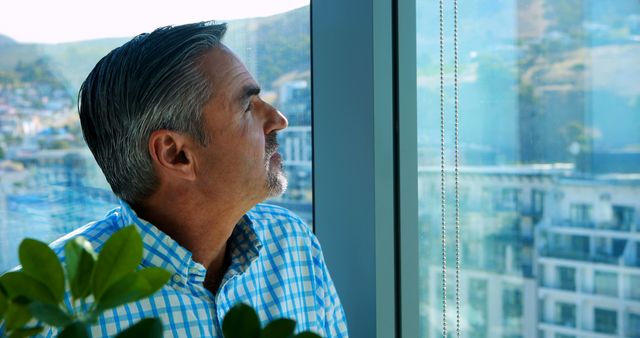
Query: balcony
x: 569, y: 323
x: 564, y: 253
x: 615, y: 226
x: 528, y: 211
x: 585, y: 224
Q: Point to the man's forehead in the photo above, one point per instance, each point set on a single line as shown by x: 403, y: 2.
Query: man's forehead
x: 224, y: 68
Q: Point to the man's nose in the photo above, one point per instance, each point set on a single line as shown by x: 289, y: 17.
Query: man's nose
x: 276, y: 120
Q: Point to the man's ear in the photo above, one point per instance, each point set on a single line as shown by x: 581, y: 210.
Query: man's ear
x: 172, y: 154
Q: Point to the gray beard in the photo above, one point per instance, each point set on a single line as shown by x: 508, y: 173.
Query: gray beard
x: 276, y: 180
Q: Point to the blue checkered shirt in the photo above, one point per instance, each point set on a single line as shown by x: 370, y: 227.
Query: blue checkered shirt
x: 276, y: 266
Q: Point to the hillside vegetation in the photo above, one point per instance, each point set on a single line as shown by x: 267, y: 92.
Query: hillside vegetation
x: 280, y: 45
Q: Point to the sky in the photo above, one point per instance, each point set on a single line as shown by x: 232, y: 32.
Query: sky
x: 54, y: 21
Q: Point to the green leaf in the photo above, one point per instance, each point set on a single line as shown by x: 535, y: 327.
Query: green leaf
x: 307, y: 334
x: 17, y: 316
x: 134, y: 286
x: 121, y: 254
x: 90, y: 318
x: 4, y: 302
x: 49, y: 314
x: 18, y: 283
x: 42, y: 264
x: 279, y: 328
x: 74, y: 330
x: 80, y: 260
x: 26, y: 332
x: 241, y: 322
x: 146, y: 328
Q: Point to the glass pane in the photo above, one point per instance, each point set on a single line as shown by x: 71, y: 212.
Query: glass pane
x: 550, y: 166
x: 632, y: 289
x: 633, y: 325
x: 606, y: 283
x: 606, y: 321
x: 565, y: 314
x: 567, y: 278
x: 49, y: 181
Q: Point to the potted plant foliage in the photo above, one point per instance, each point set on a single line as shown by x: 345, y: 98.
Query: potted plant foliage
x: 33, y: 297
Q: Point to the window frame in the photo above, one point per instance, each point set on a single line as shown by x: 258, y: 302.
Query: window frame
x: 363, y: 60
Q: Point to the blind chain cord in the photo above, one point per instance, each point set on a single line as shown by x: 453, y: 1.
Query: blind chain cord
x: 443, y: 224
x: 457, y: 160
x: 443, y: 230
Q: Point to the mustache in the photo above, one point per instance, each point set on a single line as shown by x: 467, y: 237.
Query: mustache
x: 271, y: 144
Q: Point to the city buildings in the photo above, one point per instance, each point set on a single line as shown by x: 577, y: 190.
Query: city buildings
x: 546, y: 253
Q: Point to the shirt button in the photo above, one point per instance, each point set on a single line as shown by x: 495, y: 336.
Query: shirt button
x: 177, y: 279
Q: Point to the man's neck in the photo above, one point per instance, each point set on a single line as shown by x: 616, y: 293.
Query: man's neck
x: 202, y: 229
x: 217, y: 271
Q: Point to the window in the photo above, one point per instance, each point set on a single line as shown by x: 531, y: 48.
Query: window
x: 633, y: 325
x: 606, y: 283
x: 633, y: 292
x: 512, y: 305
x: 537, y: 204
x: 49, y: 181
x: 478, y: 304
x: 606, y: 321
x: 542, y: 141
x: 566, y: 314
x: 580, y: 215
x: 548, y: 102
x: 623, y: 217
x: 567, y: 278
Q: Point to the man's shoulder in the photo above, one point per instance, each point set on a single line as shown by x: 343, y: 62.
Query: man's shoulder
x: 272, y: 218
x: 264, y: 211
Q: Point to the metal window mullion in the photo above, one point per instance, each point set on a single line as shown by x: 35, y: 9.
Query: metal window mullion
x: 407, y: 166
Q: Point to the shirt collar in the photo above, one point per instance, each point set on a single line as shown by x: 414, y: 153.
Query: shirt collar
x: 244, y: 247
x: 163, y: 251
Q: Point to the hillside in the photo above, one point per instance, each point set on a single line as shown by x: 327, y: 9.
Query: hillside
x: 279, y: 44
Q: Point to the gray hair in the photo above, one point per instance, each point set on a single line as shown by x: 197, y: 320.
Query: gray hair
x: 152, y: 82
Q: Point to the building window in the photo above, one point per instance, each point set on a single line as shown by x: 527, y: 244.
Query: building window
x: 566, y: 314
x: 623, y: 217
x: 537, y: 204
x: 633, y: 325
x: 512, y: 305
x: 633, y: 291
x: 606, y: 321
x: 566, y: 278
x: 606, y: 283
x: 580, y: 215
x: 478, y: 307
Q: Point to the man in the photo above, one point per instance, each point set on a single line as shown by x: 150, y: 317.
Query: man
x: 176, y: 123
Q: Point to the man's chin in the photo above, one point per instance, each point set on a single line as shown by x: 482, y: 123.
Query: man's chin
x: 276, y: 184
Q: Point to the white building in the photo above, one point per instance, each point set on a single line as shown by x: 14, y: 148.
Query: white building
x: 546, y: 254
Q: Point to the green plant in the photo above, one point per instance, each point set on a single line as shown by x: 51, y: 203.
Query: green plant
x: 108, y: 280
x: 242, y: 322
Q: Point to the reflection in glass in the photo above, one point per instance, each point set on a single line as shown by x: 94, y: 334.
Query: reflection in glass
x: 550, y: 153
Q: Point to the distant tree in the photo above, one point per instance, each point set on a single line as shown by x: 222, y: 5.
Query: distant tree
x: 284, y: 45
